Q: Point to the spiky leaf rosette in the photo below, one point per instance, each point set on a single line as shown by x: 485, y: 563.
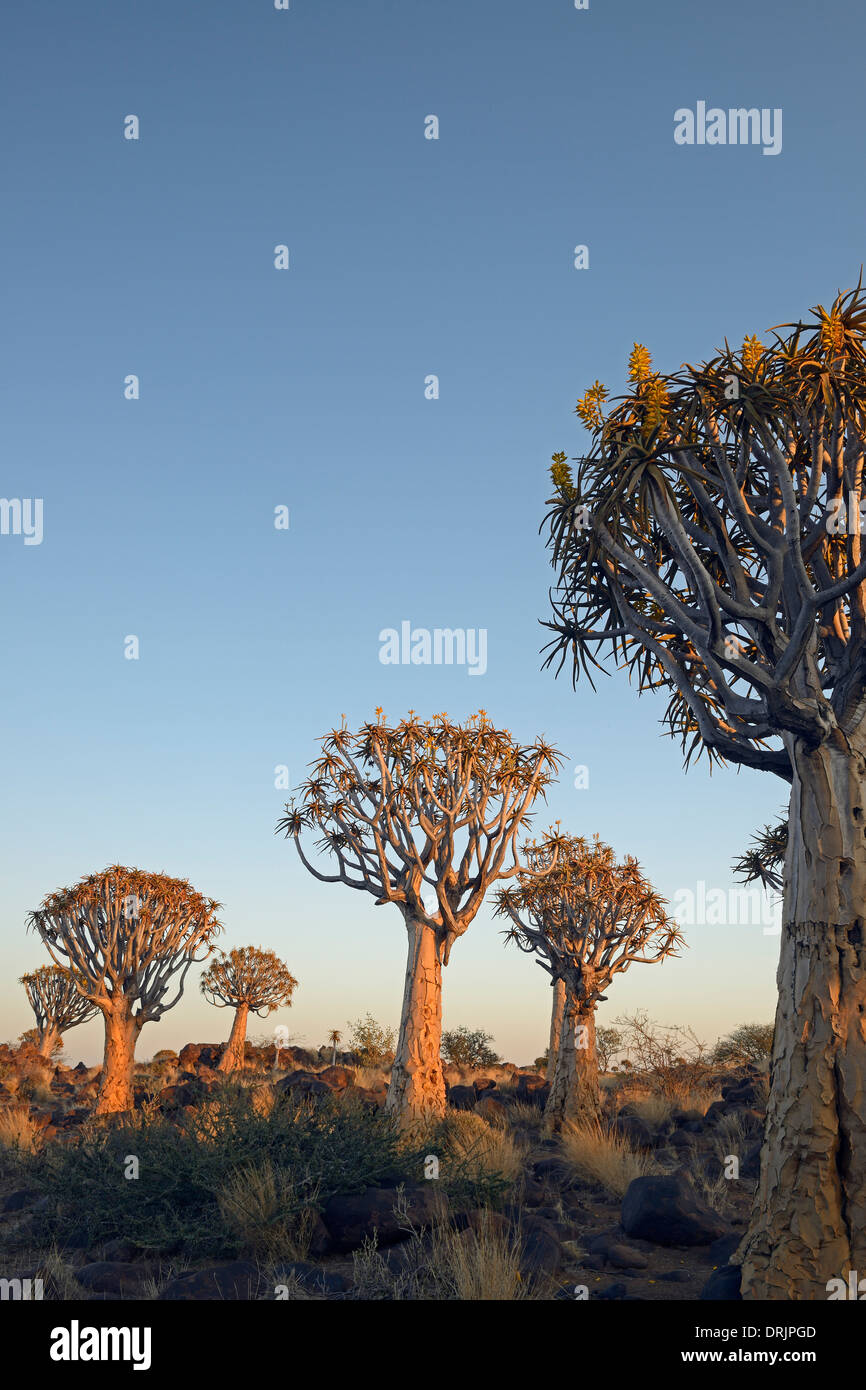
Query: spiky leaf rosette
x: 722, y: 564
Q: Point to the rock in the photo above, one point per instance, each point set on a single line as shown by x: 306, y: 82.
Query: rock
x: 613, y: 1291
x: 351, y: 1217
x: 189, y: 1093
x: 116, y: 1277
x: 675, y: 1276
x: 483, y: 1083
x: 311, y: 1277
x: 482, y: 1220
x: 626, y: 1257
x: 533, y: 1090
x: 462, y: 1097
x: 491, y: 1109
x: 668, y: 1211
x: 551, y: 1170
x: 119, y: 1249
x: 635, y: 1130
x: 338, y: 1078
x: 747, y: 1093
x: 236, y: 1281
x: 24, y: 1197
x: 722, y: 1249
x: 541, y: 1251
x: 723, y: 1283
x: 302, y: 1083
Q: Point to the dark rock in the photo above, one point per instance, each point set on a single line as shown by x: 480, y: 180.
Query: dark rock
x: 635, y: 1130
x: 351, y: 1217
x: 747, y: 1093
x: 112, y: 1276
x: 613, y: 1291
x: 24, y: 1197
x: 491, y: 1108
x: 722, y: 1249
x: 551, y: 1170
x: 237, y: 1281
x: 541, y: 1251
x: 484, y: 1083
x: 723, y: 1284
x: 462, y: 1097
x: 119, y: 1249
x: 626, y: 1257
x: 668, y: 1211
x: 675, y: 1276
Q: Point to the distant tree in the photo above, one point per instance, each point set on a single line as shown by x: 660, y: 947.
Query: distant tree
x: 129, y: 938
x: 466, y: 1047
x: 670, y: 1058
x: 585, y: 921
x: 750, y: 1042
x: 57, y: 1005
x: 248, y: 980
x: 424, y: 815
x: 608, y: 1042
x: 372, y: 1042
x: 334, y: 1037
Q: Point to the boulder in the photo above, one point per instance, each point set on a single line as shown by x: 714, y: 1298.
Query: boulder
x: 237, y: 1281
x: 462, y: 1097
x: 338, y: 1078
x: 492, y: 1108
x: 723, y: 1284
x: 351, y: 1217
x: 112, y: 1277
x: 311, y: 1277
x: 635, y: 1130
x: 668, y: 1211
x: 541, y: 1252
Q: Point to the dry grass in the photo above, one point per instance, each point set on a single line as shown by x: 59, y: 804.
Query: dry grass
x: 260, y: 1204
x: 604, y: 1156
x: 18, y: 1130
x: 480, y: 1265
x: 479, y: 1148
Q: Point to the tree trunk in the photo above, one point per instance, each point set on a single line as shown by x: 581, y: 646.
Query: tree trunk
x: 556, y: 1016
x: 417, y: 1086
x: 233, y: 1052
x: 574, y: 1095
x: 47, y: 1042
x: 115, y: 1086
x: 809, y: 1219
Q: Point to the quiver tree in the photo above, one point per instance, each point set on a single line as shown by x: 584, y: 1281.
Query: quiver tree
x: 334, y: 1037
x: 248, y: 980
x: 129, y: 938
x: 57, y: 1005
x: 585, y: 921
x: 424, y: 815
x: 710, y: 542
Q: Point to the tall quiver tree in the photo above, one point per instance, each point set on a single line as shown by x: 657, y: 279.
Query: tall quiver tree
x: 710, y: 542
x: 585, y: 922
x: 57, y: 1005
x: 129, y: 938
x: 425, y: 815
x: 248, y: 980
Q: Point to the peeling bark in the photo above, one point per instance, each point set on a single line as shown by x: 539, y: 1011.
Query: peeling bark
x: 417, y: 1086
x: 574, y: 1094
x: 809, y: 1219
x: 232, y: 1058
x: 557, y: 1014
x: 115, y: 1086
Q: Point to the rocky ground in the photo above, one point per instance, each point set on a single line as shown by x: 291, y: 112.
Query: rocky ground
x: 665, y: 1234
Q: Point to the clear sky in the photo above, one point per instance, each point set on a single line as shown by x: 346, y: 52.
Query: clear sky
x: 408, y: 257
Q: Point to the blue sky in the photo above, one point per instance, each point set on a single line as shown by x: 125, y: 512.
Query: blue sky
x: 305, y: 388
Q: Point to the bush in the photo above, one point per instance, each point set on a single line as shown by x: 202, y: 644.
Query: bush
x: 751, y: 1042
x: 371, y: 1042
x: 466, y: 1047
x: 184, y: 1199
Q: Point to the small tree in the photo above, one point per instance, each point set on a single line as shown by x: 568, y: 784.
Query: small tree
x: 57, y: 1005
x: 466, y: 1047
x: 372, y: 1042
x: 608, y: 1042
x: 424, y: 815
x: 129, y: 938
x: 334, y: 1037
x: 585, y: 922
x: 750, y: 1042
x: 248, y: 980
x: 671, y: 1058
